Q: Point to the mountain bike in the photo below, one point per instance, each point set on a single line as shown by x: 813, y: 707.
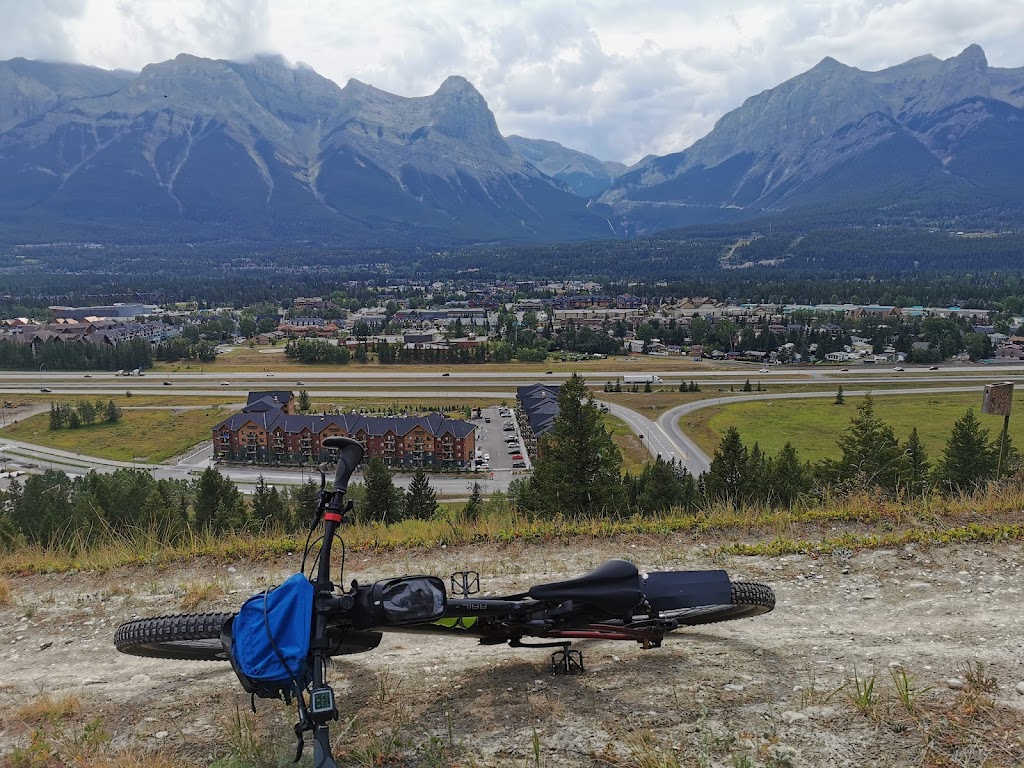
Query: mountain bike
x: 613, y: 602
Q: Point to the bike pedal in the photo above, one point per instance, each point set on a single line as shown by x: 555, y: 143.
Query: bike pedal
x: 465, y: 583
x: 567, y: 662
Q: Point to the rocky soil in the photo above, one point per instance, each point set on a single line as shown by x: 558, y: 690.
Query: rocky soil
x: 943, y: 625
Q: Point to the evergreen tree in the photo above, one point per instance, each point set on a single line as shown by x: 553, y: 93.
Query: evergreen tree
x: 111, y: 413
x: 915, y: 464
x: 579, y: 467
x: 683, y: 386
x: 475, y: 504
x: 86, y: 412
x: 727, y: 479
x: 660, y: 487
x: 870, y: 449
x: 304, y: 401
x: 840, y: 400
x: 787, y: 479
x: 383, y: 500
x: 57, y: 419
x: 647, y: 387
x: 747, y: 387
x: 268, y: 508
x: 74, y: 421
x: 968, y: 459
x: 304, y: 501
x: 421, y: 499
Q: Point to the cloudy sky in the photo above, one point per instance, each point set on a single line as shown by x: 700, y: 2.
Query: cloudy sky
x: 616, y: 78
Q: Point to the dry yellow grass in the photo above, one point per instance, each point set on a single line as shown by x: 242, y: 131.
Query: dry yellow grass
x: 49, y: 708
x: 199, y: 592
x: 5, y: 592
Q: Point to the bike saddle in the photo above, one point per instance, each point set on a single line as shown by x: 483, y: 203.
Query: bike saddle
x: 614, y: 586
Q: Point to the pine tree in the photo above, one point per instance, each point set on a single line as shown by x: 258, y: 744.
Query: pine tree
x: 727, y: 477
x: 647, y: 387
x: 747, y: 387
x: 787, y: 479
x: 56, y: 416
x: 304, y: 401
x: 579, y: 469
x: 420, y: 499
x: 475, y: 504
x: 660, y: 488
x: 683, y: 386
x: 74, y: 421
x: 870, y: 449
x: 968, y: 459
x: 915, y: 465
x: 111, y: 413
x: 383, y: 500
x: 840, y: 400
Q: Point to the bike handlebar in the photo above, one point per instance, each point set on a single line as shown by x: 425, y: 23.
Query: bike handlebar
x: 350, y: 453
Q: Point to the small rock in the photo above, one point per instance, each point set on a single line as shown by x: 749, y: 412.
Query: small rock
x: 955, y: 683
x: 1020, y: 688
x: 759, y: 652
x: 232, y: 569
x: 735, y: 687
x: 93, y: 681
x: 139, y: 679
x: 791, y: 717
x: 44, y: 646
x: 160, y: 735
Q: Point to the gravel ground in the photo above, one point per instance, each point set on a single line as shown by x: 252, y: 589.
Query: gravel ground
x: 775, y: 690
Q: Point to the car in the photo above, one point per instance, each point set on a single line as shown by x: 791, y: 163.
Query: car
x: 763, y: 370
x: 45, y: 389
x: 548, y: 373
x: 933, y: 368
x: 844, y: 370
x: 508, y: 428
x: 898, y: 368
x: 167, y: 383
x: 87, y: 376
x: 487, y: 457
x: 300, y: 384
x: 483, y: 465
x: 487, y: 419
x: 225, y: 383
x: 446, y: 374
x: 513, y: 450
x: 517, y: 456
x: 518, y: 465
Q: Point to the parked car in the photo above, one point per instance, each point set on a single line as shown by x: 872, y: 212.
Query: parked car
x: 518, y: 465
x: 487, y: 457
x: 487, y: 419
x: 517, y: 456
x: 508, y: 428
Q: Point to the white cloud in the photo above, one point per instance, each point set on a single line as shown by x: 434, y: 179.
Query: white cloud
x: 616, y: 78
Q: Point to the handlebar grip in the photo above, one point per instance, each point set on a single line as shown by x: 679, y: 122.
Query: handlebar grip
x: 350, y: 453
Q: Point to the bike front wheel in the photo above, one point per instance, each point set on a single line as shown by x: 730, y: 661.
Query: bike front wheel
x: 184, y: 636
x: 748, y: 598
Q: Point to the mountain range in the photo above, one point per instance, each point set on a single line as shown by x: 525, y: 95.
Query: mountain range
x: 195, y: 150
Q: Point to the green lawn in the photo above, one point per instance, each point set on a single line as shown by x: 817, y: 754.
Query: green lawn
x: 634, y: 453
x: 814, y: 425
x: 152, y: 436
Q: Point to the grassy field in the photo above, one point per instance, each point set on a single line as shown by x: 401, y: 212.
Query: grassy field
x: 814, y: 425
x: 634, y: 454
x: 152, y: 436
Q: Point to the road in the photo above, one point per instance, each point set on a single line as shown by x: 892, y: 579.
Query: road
x: 662, y: 437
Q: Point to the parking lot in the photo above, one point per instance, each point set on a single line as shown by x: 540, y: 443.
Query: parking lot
x: 491, y: 440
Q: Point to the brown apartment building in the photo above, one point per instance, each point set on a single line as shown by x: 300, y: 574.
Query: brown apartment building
x: 266, y: 433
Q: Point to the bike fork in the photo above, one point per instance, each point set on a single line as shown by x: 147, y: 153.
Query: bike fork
x: 322, y: 757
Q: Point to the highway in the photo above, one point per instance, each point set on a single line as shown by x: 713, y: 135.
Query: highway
x: 662, y: 436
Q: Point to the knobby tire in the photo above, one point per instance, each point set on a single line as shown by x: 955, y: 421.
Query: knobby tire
x: 748, y: 599
x: 185, y: 636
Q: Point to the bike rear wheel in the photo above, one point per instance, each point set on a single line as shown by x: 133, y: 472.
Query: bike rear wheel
x: 184, y: 636
x: 748, y: 598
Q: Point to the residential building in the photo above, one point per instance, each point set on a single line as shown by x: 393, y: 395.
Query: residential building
x: 264, y: 432
x: 536, y: 410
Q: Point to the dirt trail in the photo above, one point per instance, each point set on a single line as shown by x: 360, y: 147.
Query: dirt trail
x: 757, y: 692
